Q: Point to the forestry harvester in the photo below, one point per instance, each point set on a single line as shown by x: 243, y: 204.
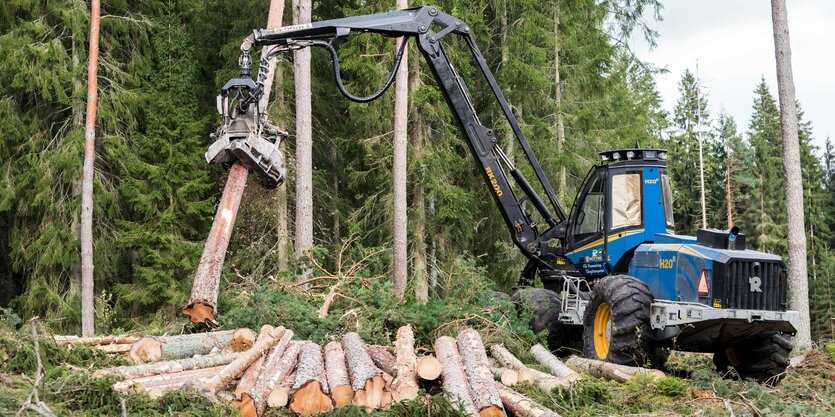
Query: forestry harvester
x: 620, y: 279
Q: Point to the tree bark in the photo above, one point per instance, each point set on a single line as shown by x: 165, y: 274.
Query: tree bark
x: 337, y: 371
x: 608, y: 370
x: 507, y: 359
x: 168, y: 367
x: 454, y: 378
x: 144, y: 383
x: 405, y: 383
x: 268, y: 337
x: 382, y: 358
x: 798, y: 279
x: 250, y: 377
x: 156, y: 348
x: 560, y: 126
x: 304, y: 139
x: 522, y: 406
x: 310, y: 390
x: 115, y: 348
x: 506, y: 376
x: 428, y: 368
x: 480, y: 379
x: 91, y: 341
x: 87, y: 291
x: 419, y: 271
x: 554, y: 364
x: 401, y: 102
x: 366, y: 380
x: 275, y: 370
x: 202, y: 304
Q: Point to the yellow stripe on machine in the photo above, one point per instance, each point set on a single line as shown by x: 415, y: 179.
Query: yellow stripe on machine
x: 600, y: 241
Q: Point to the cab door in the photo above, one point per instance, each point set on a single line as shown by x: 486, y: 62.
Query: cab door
x: 586, y: 223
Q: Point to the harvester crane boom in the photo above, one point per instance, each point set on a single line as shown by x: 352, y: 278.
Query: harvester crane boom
x: 421, y: 23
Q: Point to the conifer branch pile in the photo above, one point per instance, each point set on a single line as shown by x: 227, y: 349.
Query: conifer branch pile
x: 271, y: 370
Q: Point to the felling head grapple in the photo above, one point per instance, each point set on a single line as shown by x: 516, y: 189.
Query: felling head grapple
x: 244, y: 134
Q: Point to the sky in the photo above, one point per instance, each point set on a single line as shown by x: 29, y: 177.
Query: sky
x: 734, y: 45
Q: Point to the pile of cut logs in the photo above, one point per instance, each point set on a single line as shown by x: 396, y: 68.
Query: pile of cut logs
x: 271, y: 370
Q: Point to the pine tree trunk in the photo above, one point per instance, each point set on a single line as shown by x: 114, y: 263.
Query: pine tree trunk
x: 479, y: 377
x: 92, y: 341
x: 405, y: 383
x: 454, y: 378
x: 202, y: 305
x: 382, y: 358
x: 267, y: 338
x: 156, y: 348
x: 560, y: 126
x: 522, y: 406
x: 419, y: 272
x: 613, y: 371
x: 310, y: 390
x: 506, y: 376
x: 798, y: 279
x: 554, y: 364
x: 337, y: 372
x: 401, y: 102
x: 304, y: 139
x: 169, y: 367
x: 275, y: 370
x: 87, y: 291
x: 250, y: 377
x: 366, y: 380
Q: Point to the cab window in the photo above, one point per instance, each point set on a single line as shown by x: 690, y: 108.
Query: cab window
x: 667, y: 196
x: 590, y: 217
x: 626, y: 200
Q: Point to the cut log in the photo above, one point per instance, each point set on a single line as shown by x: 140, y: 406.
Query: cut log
x: 544, y: 381
x: 522, y: 406
x: 168, y: 367
x: 366, y: 381
x: 608, y: 370
x: 554, y: 364
x: 250, y: 377
x: 92, y: 341
x: 482, y: 386
x: 428, y: 368
x: 268, y: 337
x: 157, y: 348
x: 280, y: 395
x: 382, y: 358
x: 242, y: 340
x: 310, y: 390
x: 506, y: 376
x: 173, y: 380
x: 275, y: 370
x: 405, y: 383
x: 504, y: 357
x: 454, y: 377
x: 115, y: 348
x: 337, y: 371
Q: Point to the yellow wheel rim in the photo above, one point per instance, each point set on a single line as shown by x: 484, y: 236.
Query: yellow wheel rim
x: 602, y: 330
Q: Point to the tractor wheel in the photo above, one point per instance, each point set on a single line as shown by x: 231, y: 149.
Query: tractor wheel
x: 764, y: 357
x: 616, y: 323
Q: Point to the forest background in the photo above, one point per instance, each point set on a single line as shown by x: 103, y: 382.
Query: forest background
x: 162, y: 63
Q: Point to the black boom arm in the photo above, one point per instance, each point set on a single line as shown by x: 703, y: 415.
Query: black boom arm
x: 420, y: 23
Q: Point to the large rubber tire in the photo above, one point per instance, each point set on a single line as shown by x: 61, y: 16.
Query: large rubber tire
x: 616, y: 323
x: 764, y: 357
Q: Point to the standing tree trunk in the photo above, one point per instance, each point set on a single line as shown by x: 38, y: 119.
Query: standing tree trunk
x: 419, y: 272
x: 87, y: 297
x: 401, y: 102
x: 798, y: 279
x: 560, y: 127
x: 304, y: 139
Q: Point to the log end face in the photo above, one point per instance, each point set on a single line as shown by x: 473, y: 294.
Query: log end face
x: 199, y: 312
x: 491, y: 411
x: 242, y: 339
x: 146, y: 349
x: 342, y: 395
x: 246, y: 406
x: 407, y: 393
x: 310, y: 399
x: 428, y: 368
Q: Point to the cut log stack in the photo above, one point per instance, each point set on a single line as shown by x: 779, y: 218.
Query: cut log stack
x: 271, y: 370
